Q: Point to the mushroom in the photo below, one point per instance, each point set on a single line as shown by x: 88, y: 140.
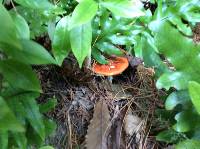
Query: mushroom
x: 115, y: 66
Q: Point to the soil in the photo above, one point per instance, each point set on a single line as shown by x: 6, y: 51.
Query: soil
x: 196, y: 32
x: 132, y: 92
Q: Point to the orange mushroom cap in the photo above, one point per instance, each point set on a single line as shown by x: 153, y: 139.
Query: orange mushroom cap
x: 115, y: 66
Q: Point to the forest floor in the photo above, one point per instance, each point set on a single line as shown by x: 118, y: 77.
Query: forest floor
x: 131, y: 100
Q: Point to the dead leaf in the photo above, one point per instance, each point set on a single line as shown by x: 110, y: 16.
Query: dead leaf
x: 97, y: 131
x: 132, y: 124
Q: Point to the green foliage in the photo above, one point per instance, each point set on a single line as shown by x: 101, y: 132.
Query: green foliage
x: 123, y: 8
x: 46, y: 147
x: 7, y: 119
x: 169, y: 136
x: 83, y: 13
x: 185, y: 72
x: 50, y: 104
x: 194, y: 89
x: 171, y: 38
x: 20, y: 114
x: 61, y: 43
x: 36, y: 4
x: 101, y: 36
x: 188, y: 144
x: 97, y: 28
x: 81, y: 38
x: 22, y: 28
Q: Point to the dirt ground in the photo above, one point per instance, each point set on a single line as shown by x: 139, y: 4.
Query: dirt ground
x: 132, y: 95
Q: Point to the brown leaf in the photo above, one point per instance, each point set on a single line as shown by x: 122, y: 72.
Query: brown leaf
x: 132, y: 124
x: 98, y: 129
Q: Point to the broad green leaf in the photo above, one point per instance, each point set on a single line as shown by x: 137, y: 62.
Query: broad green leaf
x: 169, y: 136
x: 22, y: 28
x: 175, y: 98
x: 7, y: 119
x: 26, y: 78
x: 192, y: 16
x: 150, y: 41
x: 186, y: 120
x: 51, y: 29
x: 194, y: 90
x: 50, y: 126
x: 4, y: 140
x: 36, y: 53
x: 188, y: 144
x: 80, y: 39
x: 33, y: 115
x: 7, y: 29
x: 171, y: 43
x: 49, y: 105
x: 33, y: 137
x: 20, y: 139
x: 109, y: 49
x: 83, y: 13
x: 35, y: 4
x: 46, y: 147
x: 61, y: 42
x: 181, y: 26
x: 120, y: 40
x: 150, y: 57
x: 15, y: 103
x: 177, y: 80
x: 25, y: 106
x: 30, y: 53
x: 98, y: 56
x: 138, y: 48
x: 124, y: 8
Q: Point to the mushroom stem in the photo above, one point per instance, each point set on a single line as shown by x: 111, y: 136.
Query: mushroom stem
x: 110, y: 79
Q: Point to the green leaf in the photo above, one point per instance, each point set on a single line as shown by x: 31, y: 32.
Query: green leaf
x: 33, y: 137
x: 7, y: 119
x: 36, y: 4
x: 30, y: 53
x: 36, y: 53
x: 15, y: 103
x: 120, y: 40
x: 80, y: 39
x: 150, y: 41
x: 176, y: 20
x: 61, y: 42
x: 175, y: 98
x: 22, y: 28
x: 50, y: 104
x: 186, y: 120
x: 168, y: 136
x: 4, y: 140
x: 178, y: 80
x: 7, y: 29
x: 50, y: 126
x: 26, y: 78
x: 46, y: 147
x: 188, y: 144
x: 20, y: 139
x: 124, y: 8
x: 25, y: 106
x: 98, y: 56
x: 109, y: 49
x: 83, y: 13
x: 194, y: 90
x: 33, y: 115
x: 171, y: 43
x: 150, y: 57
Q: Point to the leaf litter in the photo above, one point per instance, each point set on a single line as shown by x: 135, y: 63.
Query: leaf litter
x: 93, y: 113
